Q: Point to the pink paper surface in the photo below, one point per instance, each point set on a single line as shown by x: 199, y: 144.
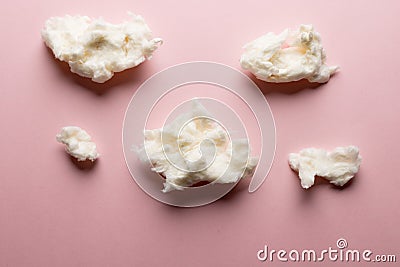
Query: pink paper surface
x: 54, y: 214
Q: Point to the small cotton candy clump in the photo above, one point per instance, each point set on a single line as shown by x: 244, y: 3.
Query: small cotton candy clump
x: 289, y: 56
x: 95, y: 48
x: 337, y: 166
x: 78, y: 143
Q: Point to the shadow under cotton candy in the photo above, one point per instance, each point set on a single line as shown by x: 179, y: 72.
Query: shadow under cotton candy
x: 85, y: 165
x: 284, y: 88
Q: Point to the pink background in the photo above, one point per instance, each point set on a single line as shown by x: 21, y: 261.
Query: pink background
x: 55, y: 214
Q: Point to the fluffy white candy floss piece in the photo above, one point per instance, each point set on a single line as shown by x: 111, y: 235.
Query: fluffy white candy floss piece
x: 290, y: 56
x: 187, y: 163
x: 78, y: 143
x: 338, y: 166
x: 96, y: 49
